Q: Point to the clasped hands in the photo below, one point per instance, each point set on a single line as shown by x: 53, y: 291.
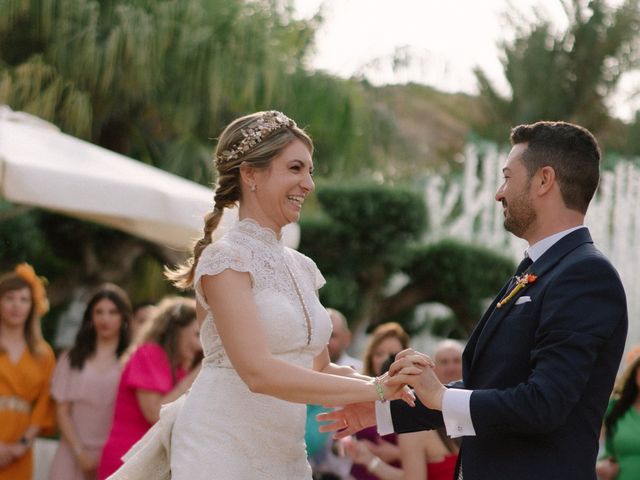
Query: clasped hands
x: 417, y: 370
x: 410, y: 368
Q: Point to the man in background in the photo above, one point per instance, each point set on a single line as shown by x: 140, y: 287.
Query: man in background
x: 340, y: 341
x: 448, y: 360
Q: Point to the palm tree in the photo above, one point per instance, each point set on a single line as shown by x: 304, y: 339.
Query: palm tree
x: 567, y: 75
x: 156, y: 80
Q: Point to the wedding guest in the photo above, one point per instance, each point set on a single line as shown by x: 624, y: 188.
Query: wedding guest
x: 621, y: 457
x: 85, y: 384
x: 157, y: 371
x: 448, y: 360
x: 340, y: 341
x: 26, y: 367
x: 142, y: 312
x: 423, y: 455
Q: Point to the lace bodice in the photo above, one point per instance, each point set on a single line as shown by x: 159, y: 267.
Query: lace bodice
x: 275, y: 272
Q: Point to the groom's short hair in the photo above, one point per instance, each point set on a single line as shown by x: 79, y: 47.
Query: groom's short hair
x: 573, y: 153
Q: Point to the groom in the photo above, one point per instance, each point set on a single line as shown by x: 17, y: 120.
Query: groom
x: 540, y: 365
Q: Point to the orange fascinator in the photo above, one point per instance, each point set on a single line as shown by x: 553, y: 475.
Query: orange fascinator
x: 38, y: 292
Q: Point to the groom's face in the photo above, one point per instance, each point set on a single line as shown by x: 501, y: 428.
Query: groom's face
x: 514, y: 194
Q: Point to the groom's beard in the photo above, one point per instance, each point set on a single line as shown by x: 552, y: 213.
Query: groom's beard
x: 519, y: 215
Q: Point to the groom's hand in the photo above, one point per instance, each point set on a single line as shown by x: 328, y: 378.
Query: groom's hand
x: 348, y: 420
x: 416, y: 369
x: 412, y: 361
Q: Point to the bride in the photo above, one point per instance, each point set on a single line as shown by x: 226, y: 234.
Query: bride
x: 263, y: 329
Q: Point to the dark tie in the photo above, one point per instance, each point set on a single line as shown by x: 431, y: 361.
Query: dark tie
x: 524, y: 264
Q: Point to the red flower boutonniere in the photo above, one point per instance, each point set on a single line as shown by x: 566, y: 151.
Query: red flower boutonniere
x: 521, y: 282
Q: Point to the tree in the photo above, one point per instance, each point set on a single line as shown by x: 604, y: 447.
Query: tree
x: 459, y: 275
x: 156, y: 80
x: 568, y: 75
x: 359, y: 242
x: 149, y: 79
x: 368, y: 233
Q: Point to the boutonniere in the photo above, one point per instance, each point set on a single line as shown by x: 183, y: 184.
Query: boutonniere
x: 521, y: 282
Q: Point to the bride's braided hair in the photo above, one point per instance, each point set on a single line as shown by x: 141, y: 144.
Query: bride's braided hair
x: 252, y: 140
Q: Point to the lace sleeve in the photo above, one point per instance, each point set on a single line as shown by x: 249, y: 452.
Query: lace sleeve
x: 218, y: 257
x: 312, y: 270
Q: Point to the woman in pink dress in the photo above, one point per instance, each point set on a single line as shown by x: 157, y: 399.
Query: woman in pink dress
x: 85, y: 383
x: 158, y: 371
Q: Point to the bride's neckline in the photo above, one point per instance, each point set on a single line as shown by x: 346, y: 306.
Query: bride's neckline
x: 252, y: 228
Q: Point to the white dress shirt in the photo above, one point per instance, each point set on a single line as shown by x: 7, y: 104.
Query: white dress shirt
x: 456, y: 410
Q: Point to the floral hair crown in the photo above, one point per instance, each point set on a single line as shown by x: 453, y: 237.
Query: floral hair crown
x: 264, y: 126
x: 38, y: 293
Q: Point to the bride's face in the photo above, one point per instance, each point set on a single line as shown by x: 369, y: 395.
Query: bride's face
x: 282, y: 187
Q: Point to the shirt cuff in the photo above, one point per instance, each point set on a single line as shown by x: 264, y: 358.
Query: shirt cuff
x: 383, y: 418
x: 456, y: 412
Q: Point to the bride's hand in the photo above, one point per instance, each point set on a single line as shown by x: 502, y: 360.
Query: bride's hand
x: 396, y: 391
x: 417, y: 369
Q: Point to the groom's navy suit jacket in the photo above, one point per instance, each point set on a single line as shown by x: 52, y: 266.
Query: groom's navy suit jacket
x: 541, y: 371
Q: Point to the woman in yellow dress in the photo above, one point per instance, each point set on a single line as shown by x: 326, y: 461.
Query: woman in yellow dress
x: 26, y: 367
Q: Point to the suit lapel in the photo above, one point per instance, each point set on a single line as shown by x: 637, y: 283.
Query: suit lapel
x: 493, y: 316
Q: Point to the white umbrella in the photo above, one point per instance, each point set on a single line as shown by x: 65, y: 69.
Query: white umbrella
x: 42, y: 167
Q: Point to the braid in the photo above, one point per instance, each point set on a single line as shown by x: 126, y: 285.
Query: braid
x: 226, y: 194
x: 211, y: 221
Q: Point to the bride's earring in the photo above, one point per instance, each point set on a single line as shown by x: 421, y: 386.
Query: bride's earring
x: 253, y: 188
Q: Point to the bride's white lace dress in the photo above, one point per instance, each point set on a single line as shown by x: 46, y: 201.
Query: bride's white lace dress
x: 223, y: 430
